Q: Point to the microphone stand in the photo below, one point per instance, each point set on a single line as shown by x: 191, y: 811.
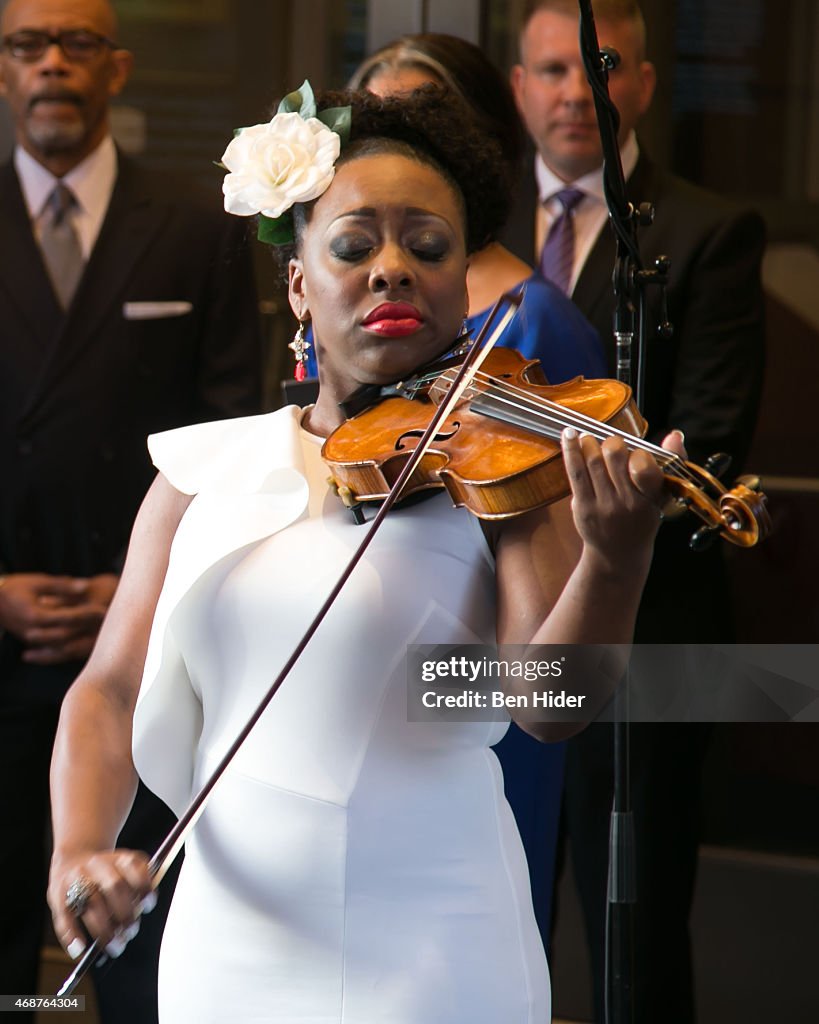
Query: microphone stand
x: 629, y: 281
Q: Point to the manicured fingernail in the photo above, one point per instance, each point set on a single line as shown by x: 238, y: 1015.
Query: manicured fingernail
x: 148, y: 903
x: 679, y: 433
x: 75, y: 948
x: 116, y: 947
x: 131, y: 931
x: 569, y: 434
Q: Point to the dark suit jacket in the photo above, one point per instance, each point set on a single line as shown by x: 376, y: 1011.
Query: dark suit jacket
x: 80, y: 392
x: 707, y: 379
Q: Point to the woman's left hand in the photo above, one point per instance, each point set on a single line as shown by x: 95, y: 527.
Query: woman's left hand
x: 617, y: 495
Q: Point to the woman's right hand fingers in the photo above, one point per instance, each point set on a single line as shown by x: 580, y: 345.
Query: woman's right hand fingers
x: 101, y: 896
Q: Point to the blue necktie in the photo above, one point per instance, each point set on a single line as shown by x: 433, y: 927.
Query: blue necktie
x: 557, y: 257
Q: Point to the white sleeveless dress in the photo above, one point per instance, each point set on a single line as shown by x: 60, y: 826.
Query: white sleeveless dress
x: 352, y: 867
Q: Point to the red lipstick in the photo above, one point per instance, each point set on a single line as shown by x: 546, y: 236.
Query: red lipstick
x: 393, y: 319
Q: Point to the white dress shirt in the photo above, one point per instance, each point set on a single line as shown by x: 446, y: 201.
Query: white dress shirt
x: 590, y: 214
x: 91, y: 181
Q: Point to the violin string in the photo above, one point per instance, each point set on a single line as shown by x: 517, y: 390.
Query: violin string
x: 552, y: 414
x: 524, y: 401
x: 558, y: 416
x: 563, y: 416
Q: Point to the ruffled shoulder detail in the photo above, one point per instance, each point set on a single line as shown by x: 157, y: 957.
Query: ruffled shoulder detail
x: 249, y: 483
x: 228, y: 456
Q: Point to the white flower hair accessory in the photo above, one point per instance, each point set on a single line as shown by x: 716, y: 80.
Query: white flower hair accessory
x: 274, y: 165
x: 289, y: 160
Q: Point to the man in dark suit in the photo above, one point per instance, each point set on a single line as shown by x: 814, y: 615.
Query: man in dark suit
x: 145, y: 320
x: 705, y: 381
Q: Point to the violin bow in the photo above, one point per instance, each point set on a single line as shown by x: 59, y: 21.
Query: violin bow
x: 175, y: 840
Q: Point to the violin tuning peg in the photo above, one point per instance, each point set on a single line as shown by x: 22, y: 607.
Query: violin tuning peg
x: 703, y: 538
x: 751, y: 481
x: 717, y: 464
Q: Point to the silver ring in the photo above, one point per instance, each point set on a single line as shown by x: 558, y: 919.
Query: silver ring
x: 78, y: 895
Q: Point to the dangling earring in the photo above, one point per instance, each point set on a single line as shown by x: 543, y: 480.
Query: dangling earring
x: 300, y: 345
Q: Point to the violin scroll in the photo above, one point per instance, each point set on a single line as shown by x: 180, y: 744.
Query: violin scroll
x: 738, y: 514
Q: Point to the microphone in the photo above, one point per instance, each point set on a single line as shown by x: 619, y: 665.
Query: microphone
x: 609, y: 57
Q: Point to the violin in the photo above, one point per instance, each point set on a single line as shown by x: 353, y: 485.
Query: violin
x: 498, y: 452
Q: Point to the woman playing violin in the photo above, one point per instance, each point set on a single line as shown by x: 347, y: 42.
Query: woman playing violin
x: 351, y: 866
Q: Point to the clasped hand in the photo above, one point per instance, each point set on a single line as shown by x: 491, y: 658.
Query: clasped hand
x: 57, y: 618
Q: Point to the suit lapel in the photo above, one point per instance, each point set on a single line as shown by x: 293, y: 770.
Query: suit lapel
x: 593, y: 293
x: 22, y: 273
x: 132, y: 220
x: 518, y: 233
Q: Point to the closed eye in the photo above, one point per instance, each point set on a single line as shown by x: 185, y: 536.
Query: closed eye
x: 430, y: 246
x: 429, y: 255
x: 351, y: 252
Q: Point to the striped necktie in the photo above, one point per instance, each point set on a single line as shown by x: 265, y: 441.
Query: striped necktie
x: 60, y: 244
x: 557, y: 257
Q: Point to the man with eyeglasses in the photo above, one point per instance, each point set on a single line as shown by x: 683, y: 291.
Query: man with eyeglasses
x: 127, y: 306
x: 78, y: 44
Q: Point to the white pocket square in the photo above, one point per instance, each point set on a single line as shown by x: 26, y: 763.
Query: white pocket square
x: 155, y: 310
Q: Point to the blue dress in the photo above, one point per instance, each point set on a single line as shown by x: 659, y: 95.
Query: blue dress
x: 550, y: 328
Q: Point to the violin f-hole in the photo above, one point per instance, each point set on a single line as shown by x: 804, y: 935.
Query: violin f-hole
x: 440, y: 436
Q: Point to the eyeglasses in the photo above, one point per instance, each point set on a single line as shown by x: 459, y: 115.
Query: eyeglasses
x: 76, y: 44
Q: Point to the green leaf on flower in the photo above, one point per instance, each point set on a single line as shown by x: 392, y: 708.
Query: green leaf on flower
x: 338, y: 120
x: 301, y: 102
x: 276, y: 230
